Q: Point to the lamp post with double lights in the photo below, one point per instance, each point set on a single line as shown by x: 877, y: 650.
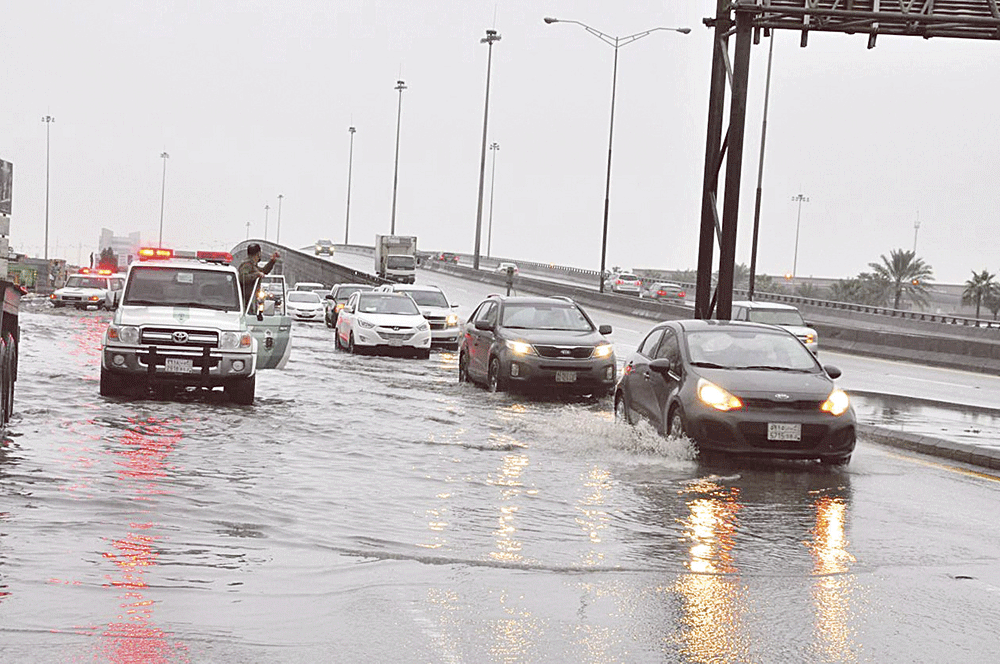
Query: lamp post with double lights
x: 800, y: 199
x: 48, y: 120
x: 491, y: 36
x: 350, y: 168
x: 494, y: 148
x: 395, y: 174
x: 163, y: 194
x: 616, y: 43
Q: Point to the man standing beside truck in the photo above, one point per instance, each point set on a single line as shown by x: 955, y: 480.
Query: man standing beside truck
x: 250, y: 271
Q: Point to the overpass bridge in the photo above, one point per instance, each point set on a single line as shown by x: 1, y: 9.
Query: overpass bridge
x: 913, y: 336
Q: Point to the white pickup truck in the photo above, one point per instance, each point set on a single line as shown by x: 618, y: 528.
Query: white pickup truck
x: 181, y: 322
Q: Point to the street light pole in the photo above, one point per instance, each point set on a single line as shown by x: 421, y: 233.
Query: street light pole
x: 494, y: 148
x: 491, y: 36
x: 760, y: 174
x: 395, y: 175
x: 616, y: 43
x: 350, y: 168
x: 48, y: 120
x: 800, y: 199
x: 267, y: 208
x: 277, y: 238
x: 916, y: 229
x: 163, y: 192
x: 248, y: 230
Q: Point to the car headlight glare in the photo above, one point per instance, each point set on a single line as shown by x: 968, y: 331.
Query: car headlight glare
x: 837, y: 403
x: 716, y: 397
x: 810, y: 338
x: 603, y: 350
x: 520, y: 347
x: 452, y: 320
x: 365, y: 324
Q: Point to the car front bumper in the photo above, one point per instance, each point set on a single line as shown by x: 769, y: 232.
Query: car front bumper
x: 746, y: 432
x: 212, y: 368
x: 371, y: 338
x: 570, y: 375
x: 306, y: 314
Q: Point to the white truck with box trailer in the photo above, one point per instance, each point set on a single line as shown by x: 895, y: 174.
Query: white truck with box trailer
x: 396, y: 258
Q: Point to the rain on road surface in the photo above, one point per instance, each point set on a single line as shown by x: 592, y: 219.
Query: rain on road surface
x: 373, y: 509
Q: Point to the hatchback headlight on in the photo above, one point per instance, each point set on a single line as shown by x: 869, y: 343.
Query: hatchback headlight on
x: 712, y: 395
x: 603, y: 350
x: 837, y: 403
x: 233, y: 340
x: 365, y: 324
x: 125, y: 334
x: 520, y: 347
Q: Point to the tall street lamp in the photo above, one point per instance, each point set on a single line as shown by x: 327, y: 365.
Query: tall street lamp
x: 277, y: 237
x: 267, y: 208
x: 163, y: 192
x: 616, y: 43
x: 248, y: 230
x: 800, y: 199
x: 48, y: 120
x: 494, y: 148
x: 491, y: 36
x: 350, y: 167
x: 395, y: 175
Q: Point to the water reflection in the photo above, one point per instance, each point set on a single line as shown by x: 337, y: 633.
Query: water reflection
x: 744, y: 534
x: 142, y: 461
x: 961, y: 424
x: 508, y: 546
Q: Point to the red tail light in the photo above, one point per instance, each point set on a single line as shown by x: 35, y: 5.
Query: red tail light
x: 618, y: 281
x: 661, y: 292
x: 681, y: 294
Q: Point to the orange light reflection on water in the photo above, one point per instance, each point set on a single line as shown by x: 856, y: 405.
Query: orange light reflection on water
x: 834, y: 589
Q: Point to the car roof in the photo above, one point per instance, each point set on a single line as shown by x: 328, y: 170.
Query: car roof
x: 528, y: 299
x: 764, y: 305
x: 415, y: 287
x: 183, y: 263
x: 695, y: 324
x: 353, y: 286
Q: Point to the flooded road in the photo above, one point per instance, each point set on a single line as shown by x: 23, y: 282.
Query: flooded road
x: 374, y: 509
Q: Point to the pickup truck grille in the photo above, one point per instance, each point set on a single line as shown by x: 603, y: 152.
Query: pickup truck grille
x: 165, y: 336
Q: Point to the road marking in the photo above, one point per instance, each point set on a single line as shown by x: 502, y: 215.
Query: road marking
x: 942, y: 466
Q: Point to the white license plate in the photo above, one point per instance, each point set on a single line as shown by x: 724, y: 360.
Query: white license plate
x: 779, y: 431
x: 565, y: 376
x: 177, y: 365
x: 395, y: 342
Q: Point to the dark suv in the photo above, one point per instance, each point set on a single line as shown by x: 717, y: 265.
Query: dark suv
x: 548, y: 341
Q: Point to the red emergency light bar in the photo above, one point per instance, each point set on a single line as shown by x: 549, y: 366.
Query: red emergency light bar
x: 150, y: 253
x: 88, y: 270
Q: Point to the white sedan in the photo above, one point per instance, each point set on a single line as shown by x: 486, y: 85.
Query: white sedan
x: 383, y: 320
x: 304, y: 305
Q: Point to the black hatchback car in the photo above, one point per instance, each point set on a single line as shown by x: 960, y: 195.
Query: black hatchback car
x: 738, y: 388
x: 536, y: 341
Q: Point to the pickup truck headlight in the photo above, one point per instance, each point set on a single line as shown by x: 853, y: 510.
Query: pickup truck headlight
x: 452, y: 320
x: 603, y: 350
x: 234, y: 340
x: 520, y: 347
x: 125, y: 334
x: 365, y: 324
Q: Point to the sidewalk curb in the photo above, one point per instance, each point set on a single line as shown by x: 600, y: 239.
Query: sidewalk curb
x: 970, y: 454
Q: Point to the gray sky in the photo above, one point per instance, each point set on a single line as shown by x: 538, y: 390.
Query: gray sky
x: 252, y: 99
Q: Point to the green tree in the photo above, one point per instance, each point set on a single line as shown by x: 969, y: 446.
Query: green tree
x: 979, y: 288
x: 906, y: 274
x: 992, y: 302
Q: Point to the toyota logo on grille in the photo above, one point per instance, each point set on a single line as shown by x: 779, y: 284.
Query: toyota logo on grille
x: 180, y: 337
x: 782, y: 397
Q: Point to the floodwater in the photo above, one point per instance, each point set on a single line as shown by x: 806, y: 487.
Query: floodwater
x: 372, y: 509
x: 972, y: 426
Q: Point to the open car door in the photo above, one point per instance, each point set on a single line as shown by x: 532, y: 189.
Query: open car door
x: 269, y: 324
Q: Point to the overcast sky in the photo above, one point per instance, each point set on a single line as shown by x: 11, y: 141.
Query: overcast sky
x: 252, y: 99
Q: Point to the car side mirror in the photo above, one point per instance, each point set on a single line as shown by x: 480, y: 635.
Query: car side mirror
x: 832, y: 371
x: 328, y: 296
x: 662, y: 366
x: 604, y: 329
x: 483, y: 325
x: 454, y: 305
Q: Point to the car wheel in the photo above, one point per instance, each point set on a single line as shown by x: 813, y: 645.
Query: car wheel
x: 463, y: 368
x: 242, y: 391
x: 495, y: 382
x: 424, y: 354
x: 623, y: 411
x: 350, y: 344
x: 111, y: 385
x: 835, y: 461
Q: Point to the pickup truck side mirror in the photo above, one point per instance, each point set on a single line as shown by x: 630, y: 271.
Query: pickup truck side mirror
x: 483, y: 325
x: 604, y: 329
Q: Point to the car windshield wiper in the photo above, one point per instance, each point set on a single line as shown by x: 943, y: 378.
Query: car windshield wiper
x: 148, y: 303
x: 709, y: 365
x: 769, y: 367
x: 200, y: 305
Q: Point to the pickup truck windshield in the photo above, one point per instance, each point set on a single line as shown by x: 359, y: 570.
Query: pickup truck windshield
x: 182, y: 287
x: 77, y: 281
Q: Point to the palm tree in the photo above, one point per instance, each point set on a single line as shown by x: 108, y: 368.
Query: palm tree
x: 906, y: 274
x: 979, y: 288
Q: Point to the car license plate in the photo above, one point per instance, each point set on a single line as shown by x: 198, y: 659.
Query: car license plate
x: 178, y: 365
x: 779, y: 431
x: 395, y: 342
x: 565, y: 376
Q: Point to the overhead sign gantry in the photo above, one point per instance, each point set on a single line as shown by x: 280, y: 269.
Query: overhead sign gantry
x: 747, y: 19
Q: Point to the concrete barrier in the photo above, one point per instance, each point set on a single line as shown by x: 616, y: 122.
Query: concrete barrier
x: 297, y: 265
